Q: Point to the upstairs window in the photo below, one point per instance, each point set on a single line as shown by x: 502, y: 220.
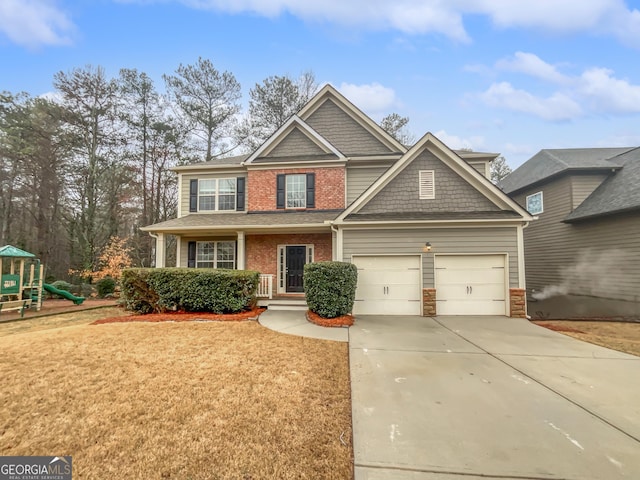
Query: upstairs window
x: 535, y: 203
x: 215, y: 194
x: 296, y: 191
x: 427, y: 186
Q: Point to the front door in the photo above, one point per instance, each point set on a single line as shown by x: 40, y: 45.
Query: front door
x: 296, y: 258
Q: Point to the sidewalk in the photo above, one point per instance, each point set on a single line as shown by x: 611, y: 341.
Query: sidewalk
x: 294, y: 322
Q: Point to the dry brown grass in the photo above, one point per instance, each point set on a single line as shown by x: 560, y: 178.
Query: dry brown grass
x: 621, y: 336
x: 177, y: 400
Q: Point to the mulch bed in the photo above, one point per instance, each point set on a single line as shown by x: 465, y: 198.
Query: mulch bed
x: 185, y: 317
x: 341, y: 321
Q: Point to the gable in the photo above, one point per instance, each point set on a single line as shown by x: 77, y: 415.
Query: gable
x: 452, y: 192
x: 296, y: 143
x: 344, y: 132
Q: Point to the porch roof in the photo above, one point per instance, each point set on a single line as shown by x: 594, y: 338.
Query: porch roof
x: 287, y: 220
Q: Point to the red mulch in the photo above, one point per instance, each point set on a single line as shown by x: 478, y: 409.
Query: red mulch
x: 558, y: 328
x: 342, y: 321
x: 184, y: 317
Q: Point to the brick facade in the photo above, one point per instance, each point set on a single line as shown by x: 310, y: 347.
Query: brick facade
x: 428, y: 302
x: 330, y: 188
x: 517, y: 302
x: 262, y: 250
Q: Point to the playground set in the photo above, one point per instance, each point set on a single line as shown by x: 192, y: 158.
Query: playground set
x: 22, y: 281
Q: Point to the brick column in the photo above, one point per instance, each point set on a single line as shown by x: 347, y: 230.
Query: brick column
x: 518, y: 302
x: 428, y: 302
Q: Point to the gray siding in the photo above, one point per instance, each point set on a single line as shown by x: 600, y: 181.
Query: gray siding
x: 452, y: 193
x: 184, y: 201
x: 598, y: 257
x: 583, y: 185
x: 343, y: 132
x: 359, y: 179
x: 482, y: 168
x: 294, y: 144
x: 497, y: 240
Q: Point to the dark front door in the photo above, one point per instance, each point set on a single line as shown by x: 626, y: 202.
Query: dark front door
x: 296, y: 257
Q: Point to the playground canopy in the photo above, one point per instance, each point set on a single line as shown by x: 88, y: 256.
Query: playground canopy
x: 11, y: 251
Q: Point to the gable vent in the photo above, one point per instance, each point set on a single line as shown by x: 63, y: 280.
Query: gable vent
x: 427, y: 185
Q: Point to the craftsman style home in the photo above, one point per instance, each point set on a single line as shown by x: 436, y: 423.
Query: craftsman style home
x: 586, y: 240
x: 428, y: 231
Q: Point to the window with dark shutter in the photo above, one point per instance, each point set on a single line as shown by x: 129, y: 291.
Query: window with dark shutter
x: 311, y: 190
x: 280, y: 190
x: 240, y: 188
x: 193, y: 195
x: 191, y: 255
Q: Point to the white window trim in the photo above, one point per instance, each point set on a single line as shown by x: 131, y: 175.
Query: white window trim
x: 217, y: 194
x: 426, y: 178
x: 286, y: 197
x: 215, y: 252
x: 541, y: 203
x: 282, y: 262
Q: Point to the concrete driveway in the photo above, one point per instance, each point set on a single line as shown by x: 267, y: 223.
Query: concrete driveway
x: 462, y: 398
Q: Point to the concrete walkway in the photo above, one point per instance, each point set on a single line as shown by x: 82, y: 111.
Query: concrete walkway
x: 462, y: 398
x: 294, y: 322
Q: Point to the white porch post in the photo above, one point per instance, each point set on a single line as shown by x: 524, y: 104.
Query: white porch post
x: 160, y: 250
x: 240, y: 263
x: 178, y: 250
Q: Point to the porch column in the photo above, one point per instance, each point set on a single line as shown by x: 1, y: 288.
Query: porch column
x: 240, y: 261
x: 160, y: 250
x: 178, y: 249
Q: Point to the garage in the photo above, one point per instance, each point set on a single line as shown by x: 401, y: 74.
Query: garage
x: 388, y: 285
x: 470, y: 284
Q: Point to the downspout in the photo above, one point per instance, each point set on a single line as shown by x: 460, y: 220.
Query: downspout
x: 336, y: 230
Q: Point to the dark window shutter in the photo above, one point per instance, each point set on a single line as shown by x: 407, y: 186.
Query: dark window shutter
x: 193, y: 195
x: 311, y: 190
x: 191, y: 255
x: 240, y: 183
x: 280, y: 188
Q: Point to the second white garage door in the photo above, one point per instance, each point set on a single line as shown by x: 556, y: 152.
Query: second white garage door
x: 388, y: 285
x: 470, y: 284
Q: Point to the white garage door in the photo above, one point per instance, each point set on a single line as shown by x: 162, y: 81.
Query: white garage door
x: 470, y: 284
x: 388, y: 285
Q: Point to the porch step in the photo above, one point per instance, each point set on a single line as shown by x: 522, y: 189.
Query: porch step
x: 285, y: 304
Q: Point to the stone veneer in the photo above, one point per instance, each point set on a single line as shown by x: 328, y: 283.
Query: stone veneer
x: 428, y: 302
x: 518, y: 302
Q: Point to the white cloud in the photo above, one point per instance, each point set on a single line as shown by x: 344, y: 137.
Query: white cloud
x: 374, y: 99
x: 33, y: 23
x: 455, y: 142
x: 446, y: 17
x: 531, y: 64
x: 557, y: 107
x: 607, y: 93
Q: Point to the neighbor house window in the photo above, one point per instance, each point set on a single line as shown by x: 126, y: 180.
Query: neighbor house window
x: 535, y: 204
x: 217, y: 194
x: 296, y: 191
x: 427, y: 187
x: 215, y: 255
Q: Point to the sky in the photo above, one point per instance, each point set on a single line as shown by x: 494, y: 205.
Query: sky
x: 502, y: 76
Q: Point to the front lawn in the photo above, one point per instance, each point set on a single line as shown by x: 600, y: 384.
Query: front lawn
x: 177, y: 400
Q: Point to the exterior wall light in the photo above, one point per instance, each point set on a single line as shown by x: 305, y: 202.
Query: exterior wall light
x: 427, y: 247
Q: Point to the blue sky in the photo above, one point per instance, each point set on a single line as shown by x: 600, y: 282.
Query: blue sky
x: 492, y: 75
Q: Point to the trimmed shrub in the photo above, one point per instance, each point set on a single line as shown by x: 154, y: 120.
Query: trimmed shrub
x: 330, y: 287
x: 188, y: 289
x: 105, y: 286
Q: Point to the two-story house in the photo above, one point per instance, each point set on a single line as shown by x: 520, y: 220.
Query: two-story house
x: 583, y: 251
x: 427, y: 229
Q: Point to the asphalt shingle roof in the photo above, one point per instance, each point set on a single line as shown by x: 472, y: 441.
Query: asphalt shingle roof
x: 618, y: 193
x: 231, y: 220
x: 547, y: 163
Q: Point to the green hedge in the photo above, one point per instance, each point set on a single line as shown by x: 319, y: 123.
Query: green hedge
x: 330, y: 287
x: 146, y: 290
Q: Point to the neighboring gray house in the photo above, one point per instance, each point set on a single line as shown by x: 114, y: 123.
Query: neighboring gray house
x: 586, y: 240
x: 428, y: 231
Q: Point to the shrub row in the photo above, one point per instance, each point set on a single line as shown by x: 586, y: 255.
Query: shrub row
x: 147, y: 290
x: 330, y: 287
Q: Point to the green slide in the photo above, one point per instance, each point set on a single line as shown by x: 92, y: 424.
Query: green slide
x: 63, y: 293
